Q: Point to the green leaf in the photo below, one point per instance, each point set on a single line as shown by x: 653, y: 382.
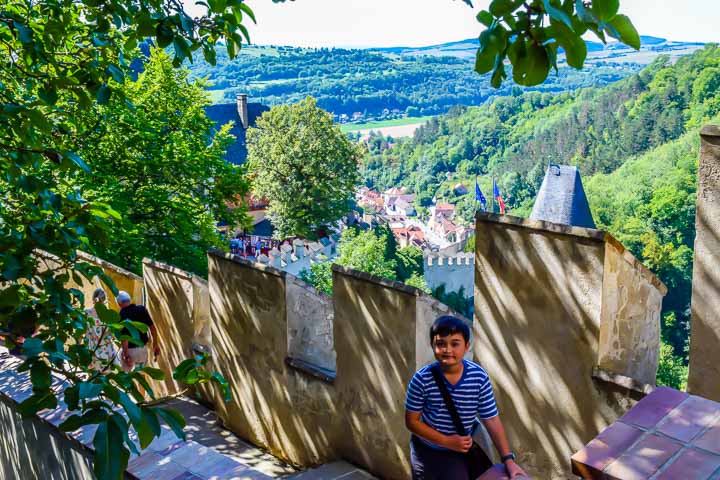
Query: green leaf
x: 174, y: 420
x: 182, y: 51
x: 75, y: 158
x: 48, y: 94
x: 485, y: 18
x: 74, y: 422
x: 574, y: 46
x: 484, y: 60
x: 111, y: 456
x: 117, y: 74
x: 36, y: 403
x: 500, y: 8
x: 88, y: 390
x: 220, y: 380
x: 605, y: 9
x: 557, y: 14
x: 10, y: 296
x: 628, y: 33
x: 24, y: 33
x: 243, y: 6
x: 584, y: 14
x: 40, y: 376
x: 183, y: 368
x: 32, y: 347
x: 71, y: 397
x: 531, y: 65
x: 103, y: 94
x: 149, y: 428
x: 154, y: 373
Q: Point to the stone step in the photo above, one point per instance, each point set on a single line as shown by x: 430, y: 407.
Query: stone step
x: 333, y: 471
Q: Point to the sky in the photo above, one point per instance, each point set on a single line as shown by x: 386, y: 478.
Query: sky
x: 383, y: 23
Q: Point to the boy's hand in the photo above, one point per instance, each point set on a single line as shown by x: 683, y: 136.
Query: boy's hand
x: 458, y: 443
x: 514, y: 470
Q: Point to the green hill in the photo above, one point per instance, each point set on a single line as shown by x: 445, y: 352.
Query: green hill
x: 635, y: 142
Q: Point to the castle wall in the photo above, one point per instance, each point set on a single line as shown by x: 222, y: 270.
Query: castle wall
x: 310, y: 324
x: 453, y: 271
x: 33, y: 449
x: 289, y: 412
x: 705, y: 326
x: 178, y: 303
x: 538, y: 304
x: 123, y: 279
x: 375, y: 337
x: 630, y: 316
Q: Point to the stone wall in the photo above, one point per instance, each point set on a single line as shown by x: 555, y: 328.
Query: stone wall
x: 272, y: 343
x: 630, y: 316
x: 705, y: 326
x: 310, y: 324
x: 33, y: 449
x: 376, y: 341
x: 539, y: 293
x: 178, y: 303
x: 290, y: 413
x: 453, y: 271
x: 123, y: 279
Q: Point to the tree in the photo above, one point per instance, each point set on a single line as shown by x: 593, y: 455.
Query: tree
x: 530, y: 34
x: 360, y: 250
x: 58, y: 60
x: 304, y: 165
x: 159, y: 166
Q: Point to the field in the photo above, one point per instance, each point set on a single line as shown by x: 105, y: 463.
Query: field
x: 400, y: 126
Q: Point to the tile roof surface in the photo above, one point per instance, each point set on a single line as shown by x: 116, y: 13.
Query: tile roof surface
x: 224, y: 113
x: 668, y: 435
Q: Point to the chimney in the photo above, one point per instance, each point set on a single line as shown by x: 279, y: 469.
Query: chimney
x: 242, y: 109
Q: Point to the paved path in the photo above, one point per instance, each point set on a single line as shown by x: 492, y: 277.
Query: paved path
x: 210, y: 452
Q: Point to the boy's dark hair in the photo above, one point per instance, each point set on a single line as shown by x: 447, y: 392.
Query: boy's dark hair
x: 448, y: 325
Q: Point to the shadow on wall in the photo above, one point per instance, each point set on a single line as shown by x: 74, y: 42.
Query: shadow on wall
x: 538, y: 303
x: 301, y: 411
x: 705, y: 328
x: 31, y: 449
x: 178, y: 303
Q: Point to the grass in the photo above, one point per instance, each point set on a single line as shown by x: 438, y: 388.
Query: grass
x: 353, y: 127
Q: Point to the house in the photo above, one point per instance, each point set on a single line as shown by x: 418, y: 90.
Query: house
x: 244, y: 115
x: 460, y: 189
x: 409, y: 236
x: 399, y: 206
x: 356, y: 116
x: 442, y: 211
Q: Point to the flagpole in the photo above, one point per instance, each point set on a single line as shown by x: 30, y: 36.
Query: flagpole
x: 492, y: 195
x: 475, y: 195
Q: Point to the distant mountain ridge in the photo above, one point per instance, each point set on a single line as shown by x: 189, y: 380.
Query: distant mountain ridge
x: 467, y: 48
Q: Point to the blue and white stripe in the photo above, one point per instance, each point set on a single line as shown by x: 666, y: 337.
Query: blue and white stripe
x: 473, y: 397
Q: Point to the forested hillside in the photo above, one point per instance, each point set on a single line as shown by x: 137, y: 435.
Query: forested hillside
x: 365, y: 81
x: 635, y: 143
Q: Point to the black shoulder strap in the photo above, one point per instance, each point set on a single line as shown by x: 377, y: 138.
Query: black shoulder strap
x: 440, y: 381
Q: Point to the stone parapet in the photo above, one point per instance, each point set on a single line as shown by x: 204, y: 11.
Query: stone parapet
x: 705, y: 323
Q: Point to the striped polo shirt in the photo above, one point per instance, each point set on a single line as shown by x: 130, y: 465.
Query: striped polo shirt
x: 472, y: 395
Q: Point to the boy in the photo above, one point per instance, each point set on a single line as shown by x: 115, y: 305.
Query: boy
x: 437, y: 450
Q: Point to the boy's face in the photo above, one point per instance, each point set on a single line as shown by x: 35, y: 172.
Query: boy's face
x: 449, y: 350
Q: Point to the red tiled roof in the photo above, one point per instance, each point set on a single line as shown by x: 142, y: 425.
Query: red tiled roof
x: 444, y: 206
x: 667, y: 435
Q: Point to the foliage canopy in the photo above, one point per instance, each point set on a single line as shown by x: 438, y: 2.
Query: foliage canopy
x: 59, y: 59
x: 304, y: 165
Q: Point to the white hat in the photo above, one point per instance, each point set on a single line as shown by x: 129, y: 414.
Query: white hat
x: 123, y: 297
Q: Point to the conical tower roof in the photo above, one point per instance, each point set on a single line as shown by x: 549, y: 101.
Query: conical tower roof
x: 562, y: 198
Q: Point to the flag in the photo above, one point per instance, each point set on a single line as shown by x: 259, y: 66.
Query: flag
x: 480, y: 197
x: 498, y: 197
